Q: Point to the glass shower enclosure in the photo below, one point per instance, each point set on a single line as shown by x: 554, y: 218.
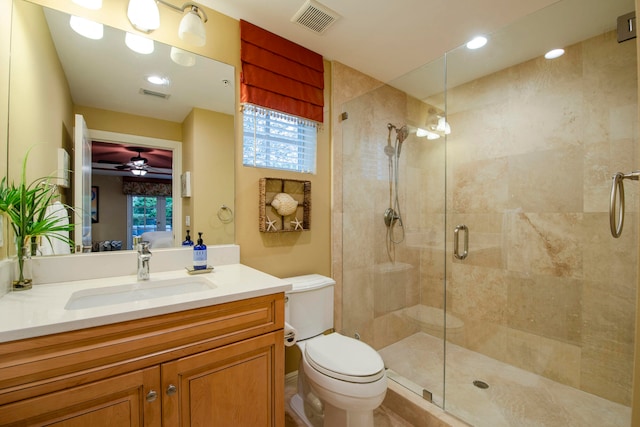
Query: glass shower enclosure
x: 477, y: 255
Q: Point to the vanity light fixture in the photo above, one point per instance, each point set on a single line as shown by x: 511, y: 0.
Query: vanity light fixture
x: 191, y: 28
x: 182, y: 57
x: 554, y: 53
x: 84, y: 27
x: 139, y: 172
x: 421, y: 133
x: 144, y: 15
x: 139, y: 44
x: 443, y: 126
x: 89, y: 4
x: 477, y: 42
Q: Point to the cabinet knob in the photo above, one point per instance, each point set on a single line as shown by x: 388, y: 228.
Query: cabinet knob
x: 151, y: 396
x: 171, y: 390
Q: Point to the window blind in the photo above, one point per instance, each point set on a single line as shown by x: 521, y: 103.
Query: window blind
x: 280, y: 75
x: 278, y: 141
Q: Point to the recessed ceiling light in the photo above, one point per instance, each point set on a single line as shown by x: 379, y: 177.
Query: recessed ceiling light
x: 477, y: 42
x: 158, y: 80
x: 553, y: 54
x: 84, y: 27
x: 138, y: 43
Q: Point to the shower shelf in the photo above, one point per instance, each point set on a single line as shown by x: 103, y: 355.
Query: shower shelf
x: 299, y: 190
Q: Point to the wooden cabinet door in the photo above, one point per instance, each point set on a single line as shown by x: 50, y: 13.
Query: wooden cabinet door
x: 238, y: 385
x: 120, y: 401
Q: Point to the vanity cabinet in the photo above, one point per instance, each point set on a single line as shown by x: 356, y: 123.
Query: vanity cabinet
x: 214, y: 366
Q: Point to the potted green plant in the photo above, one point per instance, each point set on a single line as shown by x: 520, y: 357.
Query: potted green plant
x: 25, y: 205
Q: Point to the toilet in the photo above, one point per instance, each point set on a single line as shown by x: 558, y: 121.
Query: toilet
x: 341, y: 380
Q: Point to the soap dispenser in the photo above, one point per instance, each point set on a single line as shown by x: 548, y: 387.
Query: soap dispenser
x: 200, y: 254
x: 187, y: 240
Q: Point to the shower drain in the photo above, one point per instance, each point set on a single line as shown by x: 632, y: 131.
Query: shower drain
x: 480, y: 384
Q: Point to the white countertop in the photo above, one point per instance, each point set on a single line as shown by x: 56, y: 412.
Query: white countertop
x: 41, y: 310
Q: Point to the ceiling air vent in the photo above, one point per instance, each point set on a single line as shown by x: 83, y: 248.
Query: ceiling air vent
x: 153, y: 93
x: 315, y: 17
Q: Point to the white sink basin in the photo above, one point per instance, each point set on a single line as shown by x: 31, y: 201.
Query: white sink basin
x: 137, y: 291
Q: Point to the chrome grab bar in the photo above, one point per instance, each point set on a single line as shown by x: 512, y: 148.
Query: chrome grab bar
x: 617, y: 194
x: 456, y: 238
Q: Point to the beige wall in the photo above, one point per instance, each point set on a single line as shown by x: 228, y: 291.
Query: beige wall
x: 40, y: 77
x: 211, y: 158
x: 112, y: 219
x: 112, y: 121
x: 5, y: 44
x: 529, y: 171
x: 289, y: 253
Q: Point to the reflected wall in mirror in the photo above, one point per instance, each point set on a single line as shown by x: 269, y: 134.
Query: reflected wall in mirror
x: 56, y: 73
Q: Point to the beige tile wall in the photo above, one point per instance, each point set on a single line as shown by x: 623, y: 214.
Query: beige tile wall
x: 528, y: 169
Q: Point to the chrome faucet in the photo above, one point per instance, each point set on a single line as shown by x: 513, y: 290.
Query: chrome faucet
x: 144, y: 255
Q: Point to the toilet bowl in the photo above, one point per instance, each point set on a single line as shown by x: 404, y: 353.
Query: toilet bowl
x: 341, y: 380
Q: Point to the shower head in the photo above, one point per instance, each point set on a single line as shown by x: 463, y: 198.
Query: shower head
x: 402, y: 133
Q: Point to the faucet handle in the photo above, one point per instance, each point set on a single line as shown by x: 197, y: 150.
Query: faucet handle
x: 145, y: 247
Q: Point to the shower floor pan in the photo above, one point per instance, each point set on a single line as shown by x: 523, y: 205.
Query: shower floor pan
x: 514, y: 397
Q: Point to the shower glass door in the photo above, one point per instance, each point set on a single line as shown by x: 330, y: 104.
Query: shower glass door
x: 392, y: 204
x: 546, y: 296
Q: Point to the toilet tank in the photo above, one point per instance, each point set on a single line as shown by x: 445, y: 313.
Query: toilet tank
x: 309, y: 305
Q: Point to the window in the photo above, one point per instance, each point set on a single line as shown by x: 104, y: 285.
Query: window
x: 149, y: 213
x: 276, y: 140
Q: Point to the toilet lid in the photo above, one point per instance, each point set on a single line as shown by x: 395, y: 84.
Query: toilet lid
x: 344, y: 358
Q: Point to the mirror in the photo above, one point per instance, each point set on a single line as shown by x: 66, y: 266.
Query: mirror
x: 56, y: 73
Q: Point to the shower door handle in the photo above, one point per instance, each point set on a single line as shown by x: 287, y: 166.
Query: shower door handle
x: 456, y: 242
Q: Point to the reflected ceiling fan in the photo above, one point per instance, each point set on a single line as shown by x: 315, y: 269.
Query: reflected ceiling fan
x: 137, y: 165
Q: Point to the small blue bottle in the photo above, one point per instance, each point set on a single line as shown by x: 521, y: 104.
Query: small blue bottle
x: 200, y: 254
x: 187, y: 240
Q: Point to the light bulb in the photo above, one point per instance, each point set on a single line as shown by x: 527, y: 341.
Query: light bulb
x: 443, y: 126
x: 192, y: 29
x: 554, y: 53
x: 138, y: 43
x: 84, y: 27
x: 144, y: 15
x: 182, y: 57
x: 477, y: 42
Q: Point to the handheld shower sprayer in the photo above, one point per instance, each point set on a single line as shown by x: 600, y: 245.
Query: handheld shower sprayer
x: 401, y: 134
x: 392, y: 216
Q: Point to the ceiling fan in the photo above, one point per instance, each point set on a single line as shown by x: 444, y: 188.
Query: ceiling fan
x: 137, y: 165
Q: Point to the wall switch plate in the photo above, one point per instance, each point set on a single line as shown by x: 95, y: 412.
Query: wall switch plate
x: 187, y: 220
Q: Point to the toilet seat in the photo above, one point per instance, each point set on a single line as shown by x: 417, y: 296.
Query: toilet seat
x: 344, y: 358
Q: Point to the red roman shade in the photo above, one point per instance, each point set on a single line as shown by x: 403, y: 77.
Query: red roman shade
x: 280, y: 75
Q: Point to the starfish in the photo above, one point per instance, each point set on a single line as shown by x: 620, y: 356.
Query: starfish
x: 297, y: 224
x: 271, y: 224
